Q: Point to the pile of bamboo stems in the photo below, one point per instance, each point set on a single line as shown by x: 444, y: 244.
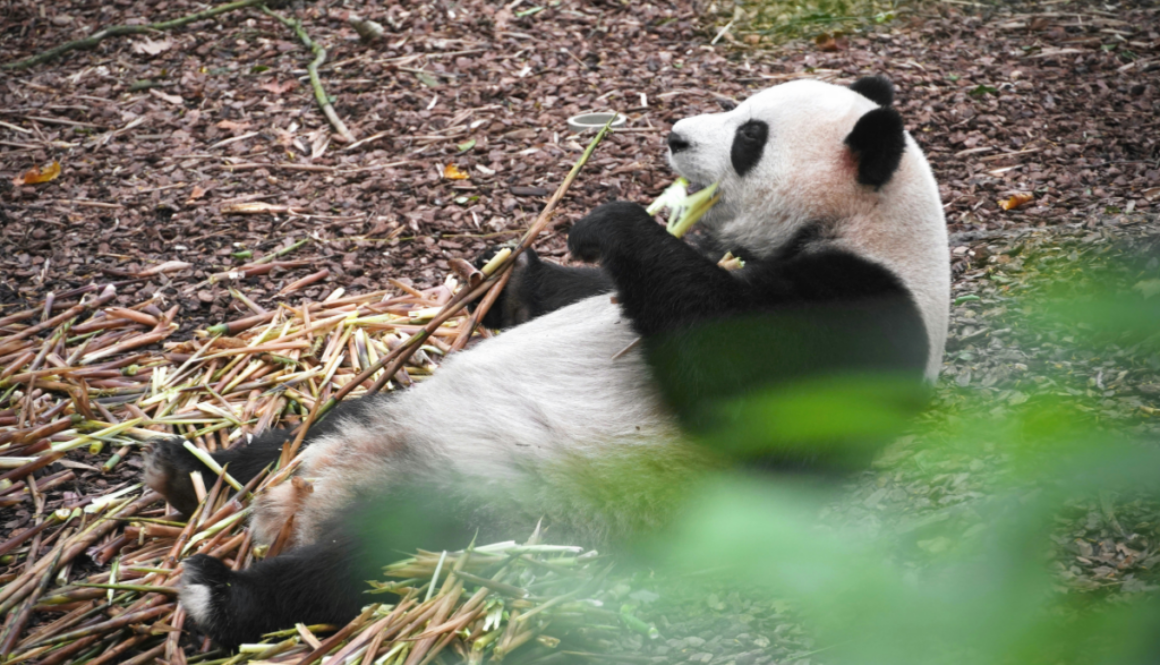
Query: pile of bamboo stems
x: 99, y: 387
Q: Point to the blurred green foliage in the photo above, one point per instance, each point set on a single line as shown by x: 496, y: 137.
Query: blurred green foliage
x: 965, y: 582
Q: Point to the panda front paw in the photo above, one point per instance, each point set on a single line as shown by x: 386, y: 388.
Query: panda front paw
x: 167, y: 468
x: 606, y: 229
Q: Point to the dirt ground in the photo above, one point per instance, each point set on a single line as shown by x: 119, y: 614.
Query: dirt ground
x: 161, y: 140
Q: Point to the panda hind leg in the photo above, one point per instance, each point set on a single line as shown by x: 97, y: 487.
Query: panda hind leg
x: 168, y: 464
x: 324, y: 581
x: 317, y: 583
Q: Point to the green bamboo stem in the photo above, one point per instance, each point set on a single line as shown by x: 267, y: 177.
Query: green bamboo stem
x: 320, y: 95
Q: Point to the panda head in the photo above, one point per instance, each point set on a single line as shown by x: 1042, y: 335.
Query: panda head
x: 797, y: 153
x: 832, y: 159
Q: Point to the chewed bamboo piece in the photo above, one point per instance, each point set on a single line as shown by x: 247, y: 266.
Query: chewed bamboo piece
x: 684, y: 210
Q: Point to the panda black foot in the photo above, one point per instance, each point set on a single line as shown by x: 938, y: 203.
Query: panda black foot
x: 219, y: 601
x: 538, y: 287
x: 318, y: 583
x: 167, y: 468
x: 168, y: 464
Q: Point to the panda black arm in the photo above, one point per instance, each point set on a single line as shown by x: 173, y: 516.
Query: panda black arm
x: 537, y: 287
x: 822, y: 313
x: 665, y: 285
x: 661, y: 282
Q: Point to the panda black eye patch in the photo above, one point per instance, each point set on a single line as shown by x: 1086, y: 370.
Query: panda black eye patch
x: 748, y: 144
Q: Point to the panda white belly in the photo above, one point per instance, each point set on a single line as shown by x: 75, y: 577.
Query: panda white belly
x: 493, y: 414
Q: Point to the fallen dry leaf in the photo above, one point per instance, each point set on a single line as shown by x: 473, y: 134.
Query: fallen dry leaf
x: 233, y: 126
x: 452, y: 172
x: 164, y: 96
x: 831, y: 43
x: 1016, y: 200
x: 503, y: 19
x: 37, y: 174
x: 279, y: 88
x: 196, y: 193
x: 150, y: 47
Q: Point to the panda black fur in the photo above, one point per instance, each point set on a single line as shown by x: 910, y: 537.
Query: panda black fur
x: 839, y: 216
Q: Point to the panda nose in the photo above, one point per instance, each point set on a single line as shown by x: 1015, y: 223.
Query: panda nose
x: 677, y: 143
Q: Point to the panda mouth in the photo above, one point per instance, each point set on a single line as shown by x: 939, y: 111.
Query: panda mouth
x: 697, y: 181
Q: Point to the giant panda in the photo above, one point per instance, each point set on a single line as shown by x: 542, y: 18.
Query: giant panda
x: 564, y: 419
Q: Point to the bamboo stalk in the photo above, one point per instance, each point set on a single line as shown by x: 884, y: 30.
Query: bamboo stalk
x: 155, y: 608
x: 111, y: 655
x: 68, y: 314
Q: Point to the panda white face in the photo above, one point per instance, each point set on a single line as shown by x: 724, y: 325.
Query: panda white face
x: 780, y: 156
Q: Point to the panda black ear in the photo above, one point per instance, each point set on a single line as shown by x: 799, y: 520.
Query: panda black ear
x: 877, y: 89
x: 877, y: 142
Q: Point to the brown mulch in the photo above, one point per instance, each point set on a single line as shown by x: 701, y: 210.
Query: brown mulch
x: 1057, y: 100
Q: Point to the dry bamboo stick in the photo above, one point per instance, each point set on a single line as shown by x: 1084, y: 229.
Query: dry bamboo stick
x: 50, y: 323
x: 17, y: 620
x: 111, y: 655
x: 330, y: 642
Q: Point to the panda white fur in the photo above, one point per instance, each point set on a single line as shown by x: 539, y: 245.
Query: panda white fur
x: 838, y: 215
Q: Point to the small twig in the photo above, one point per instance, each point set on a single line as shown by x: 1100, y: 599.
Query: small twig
x: 118, y: 30
x: 304, y: 282
x: 315, y: 82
